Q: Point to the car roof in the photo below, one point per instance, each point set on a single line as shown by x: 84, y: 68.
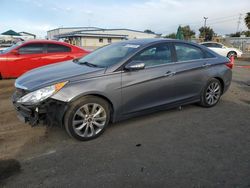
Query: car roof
x: 45, y: 41
x: 148, y: 41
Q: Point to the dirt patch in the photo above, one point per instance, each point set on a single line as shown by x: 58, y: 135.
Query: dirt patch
x: 13, y: 134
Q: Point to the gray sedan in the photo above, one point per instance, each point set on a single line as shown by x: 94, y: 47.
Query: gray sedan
x: 119, y: 81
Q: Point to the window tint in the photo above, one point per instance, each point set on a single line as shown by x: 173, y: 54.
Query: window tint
x: 207, y: 44
x: 156, y: 55
x: 209, y: 55
x: 185, y: 52
x: 215, y: 45
x: 52, y: 48
x: 31, y: 49
x: 212, y: 45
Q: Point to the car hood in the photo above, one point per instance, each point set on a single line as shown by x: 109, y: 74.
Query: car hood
x: 48, y: 75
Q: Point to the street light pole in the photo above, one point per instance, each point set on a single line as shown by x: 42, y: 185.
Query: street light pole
x: 205, y: 23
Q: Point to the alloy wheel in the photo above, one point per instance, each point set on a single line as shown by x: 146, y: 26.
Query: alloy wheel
x: 213, y: 93
x: 89, y: 120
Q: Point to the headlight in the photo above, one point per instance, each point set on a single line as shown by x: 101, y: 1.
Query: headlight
x: 41, y: 94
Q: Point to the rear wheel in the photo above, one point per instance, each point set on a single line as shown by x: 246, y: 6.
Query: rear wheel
x: 87, y: 118
x: 211, y: 93
x: 232, y: 53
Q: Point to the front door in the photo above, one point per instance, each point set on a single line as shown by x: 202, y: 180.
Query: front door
x: 152, y: 86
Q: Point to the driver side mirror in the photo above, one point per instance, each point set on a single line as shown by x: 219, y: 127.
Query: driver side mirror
x: 14, y: 52
x: 135, y: 65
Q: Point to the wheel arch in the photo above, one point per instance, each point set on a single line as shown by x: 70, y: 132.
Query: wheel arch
x: 221, y: 82
x: 99, y: 96
x: 232, y: 51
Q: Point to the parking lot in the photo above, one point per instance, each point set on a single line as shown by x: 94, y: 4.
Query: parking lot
x: 188, y: 147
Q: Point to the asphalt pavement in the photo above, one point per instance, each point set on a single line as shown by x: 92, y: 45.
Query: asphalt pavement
x: 189, y: 147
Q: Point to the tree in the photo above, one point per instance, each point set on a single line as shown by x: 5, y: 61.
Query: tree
x: 246, y: 33
x: 171, y: 36
x: 149, y: 31
x: 247, y: 20
x: 187, y: 32
x: 237, y: 34
x: 208, y: 31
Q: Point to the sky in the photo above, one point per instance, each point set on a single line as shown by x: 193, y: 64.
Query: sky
x: 160, y: 16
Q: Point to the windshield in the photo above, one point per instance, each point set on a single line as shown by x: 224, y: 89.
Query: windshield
x: 11, y: 48
x: 109, y: 55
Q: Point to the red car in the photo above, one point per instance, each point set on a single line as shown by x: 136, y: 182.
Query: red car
x: 24, y: 56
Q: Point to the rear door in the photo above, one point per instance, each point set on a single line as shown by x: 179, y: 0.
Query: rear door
x: 57, y: 53
x: 152, y: 86
x: 29, y: 57
x: 192, y: 71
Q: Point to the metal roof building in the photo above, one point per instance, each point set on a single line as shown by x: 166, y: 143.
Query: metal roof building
x: 92, y: 37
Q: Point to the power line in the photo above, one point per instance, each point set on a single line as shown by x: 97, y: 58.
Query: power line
x: 223, y: 21
x: 212, y: 21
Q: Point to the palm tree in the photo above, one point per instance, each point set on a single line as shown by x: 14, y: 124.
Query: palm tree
x: 247, y: 20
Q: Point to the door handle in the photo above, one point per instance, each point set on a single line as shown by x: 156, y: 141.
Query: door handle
x: 206, y: 65
x: 169, y: 73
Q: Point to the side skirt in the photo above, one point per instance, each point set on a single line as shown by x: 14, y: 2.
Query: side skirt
x: 158, y: 108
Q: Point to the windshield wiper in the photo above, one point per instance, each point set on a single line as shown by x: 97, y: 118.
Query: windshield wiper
x: 89, y: 64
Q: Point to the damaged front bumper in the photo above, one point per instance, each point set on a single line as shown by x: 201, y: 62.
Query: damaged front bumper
x: 49, y: 112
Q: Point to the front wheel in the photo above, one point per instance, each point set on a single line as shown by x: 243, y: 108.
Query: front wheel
x: 211, y: 94
x: 87, y: 118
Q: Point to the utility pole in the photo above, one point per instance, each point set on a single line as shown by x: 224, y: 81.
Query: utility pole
x: 205, y: 23
x: 238, y: 23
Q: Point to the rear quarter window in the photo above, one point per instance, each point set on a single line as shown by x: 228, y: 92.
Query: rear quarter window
x: 55, y: 48
x: 209, y: 55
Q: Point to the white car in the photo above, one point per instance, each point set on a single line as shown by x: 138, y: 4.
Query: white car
x: 223, y: 50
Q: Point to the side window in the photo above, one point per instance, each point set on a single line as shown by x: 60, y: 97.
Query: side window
x: 209, y: 55
x: 185, y: 52
x: 156, y: 55
x: 53, y: 48
x: 217, y: 45
x: 35, y: 48
x: 207, y: 44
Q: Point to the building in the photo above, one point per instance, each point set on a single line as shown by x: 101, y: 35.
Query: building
x: 27, y: 36
x: 10, y: 37
x: 91, y: 38
x: 58, y: 31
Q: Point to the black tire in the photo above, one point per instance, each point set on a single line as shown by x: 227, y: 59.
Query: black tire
x: 71, y: 114
x: 204, y: 94
x: 232, y: 53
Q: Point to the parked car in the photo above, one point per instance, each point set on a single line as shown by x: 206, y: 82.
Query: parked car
x: 223, y: 50
x: 24, y: 56
x: 119, y: 81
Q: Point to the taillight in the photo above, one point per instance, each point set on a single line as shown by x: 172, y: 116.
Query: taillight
x: 230, y: 64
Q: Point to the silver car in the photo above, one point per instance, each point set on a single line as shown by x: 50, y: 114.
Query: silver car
x: 119, y: 81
